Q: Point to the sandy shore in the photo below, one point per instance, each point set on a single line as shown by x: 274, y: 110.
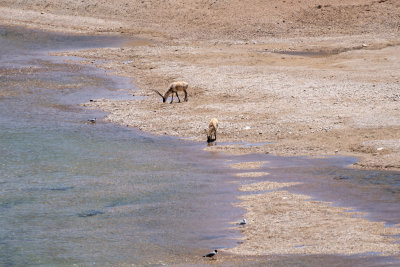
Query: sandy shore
x: 296, y: 78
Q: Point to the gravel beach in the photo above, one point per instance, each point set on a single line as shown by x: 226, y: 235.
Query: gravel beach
x: 307, y: 78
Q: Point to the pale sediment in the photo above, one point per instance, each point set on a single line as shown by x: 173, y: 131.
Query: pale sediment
x: 248, y: 165
x: 265, y: 186
x: 251, y: 174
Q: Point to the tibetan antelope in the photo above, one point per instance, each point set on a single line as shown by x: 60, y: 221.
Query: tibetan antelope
x: 212, y: 130
x: 174, y: 88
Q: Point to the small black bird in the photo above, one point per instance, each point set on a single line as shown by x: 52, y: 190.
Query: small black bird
x: 243, y: 222
x: 211, y: 254
x: 92, y: 120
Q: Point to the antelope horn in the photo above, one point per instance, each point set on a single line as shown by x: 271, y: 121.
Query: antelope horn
x: 158, y: 93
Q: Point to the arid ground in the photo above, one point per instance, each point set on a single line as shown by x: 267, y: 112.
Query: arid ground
x: 302, y: 77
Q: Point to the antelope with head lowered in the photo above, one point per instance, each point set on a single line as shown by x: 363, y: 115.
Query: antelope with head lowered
x: 212, y: 130
x: 174, y: 88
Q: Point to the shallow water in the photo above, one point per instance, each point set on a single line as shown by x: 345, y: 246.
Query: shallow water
x: 330, y: 179
x: 74, y: 192
x: 79, y: 192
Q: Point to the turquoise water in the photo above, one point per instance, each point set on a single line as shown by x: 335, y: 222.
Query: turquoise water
x: 77, y: 192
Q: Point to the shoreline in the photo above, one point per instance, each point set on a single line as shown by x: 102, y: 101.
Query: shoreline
x: 277, y: 96
x: 326, y: 127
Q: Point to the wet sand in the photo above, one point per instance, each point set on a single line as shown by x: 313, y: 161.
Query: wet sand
x: 308, y: 79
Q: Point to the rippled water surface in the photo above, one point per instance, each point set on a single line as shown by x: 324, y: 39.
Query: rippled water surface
x: 77, y: 192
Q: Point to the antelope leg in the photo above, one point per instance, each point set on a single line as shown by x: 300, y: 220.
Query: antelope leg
x: 178, y: 97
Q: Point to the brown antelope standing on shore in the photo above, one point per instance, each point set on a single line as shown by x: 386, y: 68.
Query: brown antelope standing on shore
x: 212, y: 130
x: 174, y: 88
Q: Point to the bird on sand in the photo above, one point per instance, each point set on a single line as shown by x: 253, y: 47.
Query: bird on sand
x: 92, y: 120
x: 211, y: 254
x: 243, y: 222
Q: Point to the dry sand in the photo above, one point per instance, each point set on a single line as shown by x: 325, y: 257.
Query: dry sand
x: 298, y: 77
